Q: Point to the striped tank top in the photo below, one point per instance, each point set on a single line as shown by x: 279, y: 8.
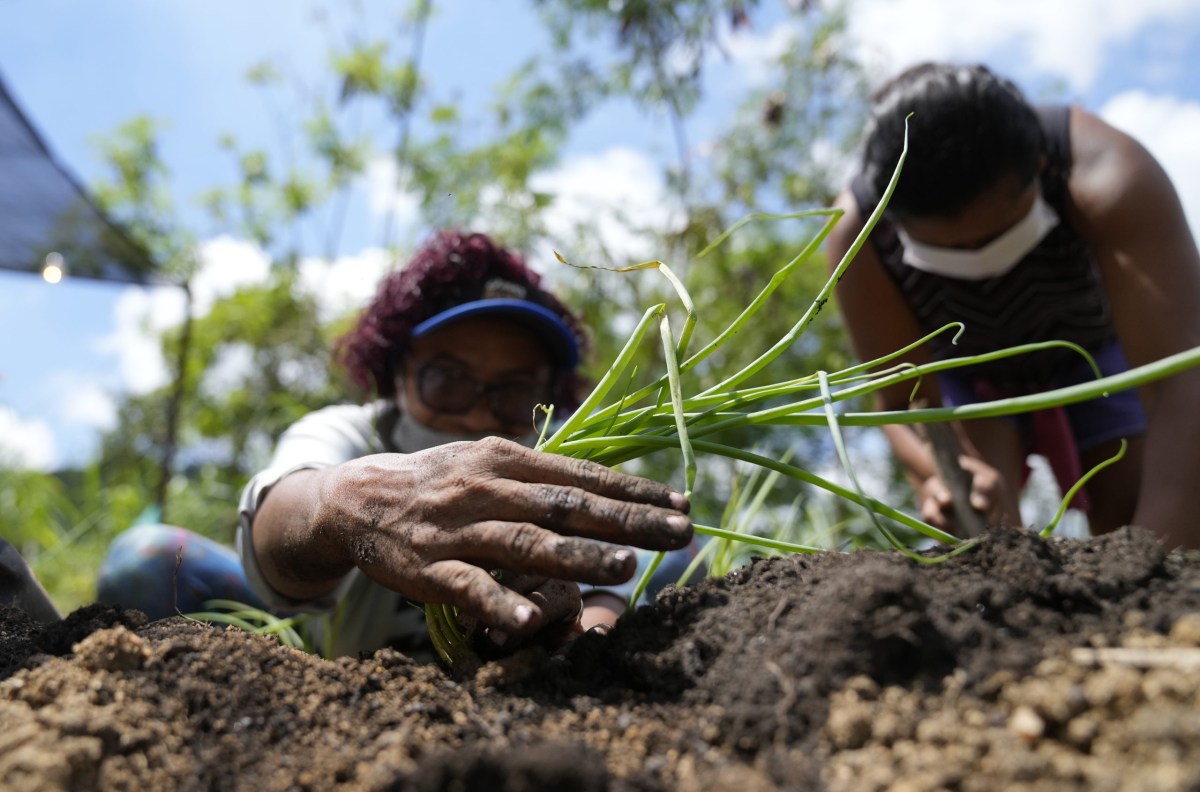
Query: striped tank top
x: 1054, y: 293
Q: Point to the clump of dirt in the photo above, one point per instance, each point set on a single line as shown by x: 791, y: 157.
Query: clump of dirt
x: 1022, y: 663
x: 24, y: 641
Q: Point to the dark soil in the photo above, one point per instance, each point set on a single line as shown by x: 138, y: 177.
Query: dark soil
x: 1021, y: 664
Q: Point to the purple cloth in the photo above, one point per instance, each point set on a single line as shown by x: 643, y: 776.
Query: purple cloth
x: 1062, y: 433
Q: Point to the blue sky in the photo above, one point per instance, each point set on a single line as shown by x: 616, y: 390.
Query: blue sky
x: 79, y: 69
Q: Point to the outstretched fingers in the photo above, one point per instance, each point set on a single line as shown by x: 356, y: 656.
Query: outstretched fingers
x: 529, y: 466
x: 534, y: 550
x: 576, y: 511
x: 505, y: 481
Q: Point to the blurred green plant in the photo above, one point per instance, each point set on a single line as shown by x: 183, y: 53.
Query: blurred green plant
x: 745, y: 514
x: 62, y: 524
x: 254, y: 620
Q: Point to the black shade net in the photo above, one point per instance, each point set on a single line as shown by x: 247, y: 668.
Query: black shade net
x: 45, y: 215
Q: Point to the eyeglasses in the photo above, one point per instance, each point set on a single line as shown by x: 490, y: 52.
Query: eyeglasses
x: 451, y: 390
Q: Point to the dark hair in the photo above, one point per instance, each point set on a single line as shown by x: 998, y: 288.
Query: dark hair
x: 450, y: 269
x: 969, y: 129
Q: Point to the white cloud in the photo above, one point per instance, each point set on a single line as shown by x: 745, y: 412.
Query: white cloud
x: 755, y: 55
x: 346, y: 284
x: 384, y: 197
x: 25, y: 444
x: 618, y: 196
x: 141, y: 314
x: 1169, y: 128
x: 88, y: 404
x: 1066, y: 38
x: 226, y: 265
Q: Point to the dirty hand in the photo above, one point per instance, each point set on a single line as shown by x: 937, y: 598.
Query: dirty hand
x: 989, y: 495
x: 431, y: 525
x: 559, y: 601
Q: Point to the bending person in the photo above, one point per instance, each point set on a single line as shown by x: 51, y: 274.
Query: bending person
x: 1028, y: 224
x: 424, y: 493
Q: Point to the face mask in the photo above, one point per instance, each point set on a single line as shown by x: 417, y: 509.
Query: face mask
x: 993, y: 259
x: 410, y: 435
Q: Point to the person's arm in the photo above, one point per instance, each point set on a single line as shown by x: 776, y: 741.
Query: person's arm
x: 430, y: 525
x: 879, y: 322
x: 1126, y: 208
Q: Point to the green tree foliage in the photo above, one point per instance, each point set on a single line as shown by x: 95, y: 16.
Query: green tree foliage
x: 777, y: 150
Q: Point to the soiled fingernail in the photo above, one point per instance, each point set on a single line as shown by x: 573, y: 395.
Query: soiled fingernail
x: 524, y: 615
x: 679, y: 522
x: 621, y: 556
x: 498, y: 637
x: 678, y: 501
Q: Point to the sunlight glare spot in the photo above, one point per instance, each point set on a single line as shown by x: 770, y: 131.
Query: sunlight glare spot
x: 53, y: 270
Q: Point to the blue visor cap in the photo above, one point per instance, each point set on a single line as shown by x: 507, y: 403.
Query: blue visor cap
x: 553, y: 331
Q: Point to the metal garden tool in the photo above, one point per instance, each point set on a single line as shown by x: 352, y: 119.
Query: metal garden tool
x: 946, y: 451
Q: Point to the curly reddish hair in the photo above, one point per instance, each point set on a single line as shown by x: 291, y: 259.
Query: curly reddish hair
x: 450, y: 269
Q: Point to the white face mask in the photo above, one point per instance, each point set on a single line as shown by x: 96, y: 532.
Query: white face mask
x: 410, y: 435
x: 993, y: 259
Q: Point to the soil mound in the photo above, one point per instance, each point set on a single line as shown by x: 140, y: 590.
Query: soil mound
x: 1022, y: 663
